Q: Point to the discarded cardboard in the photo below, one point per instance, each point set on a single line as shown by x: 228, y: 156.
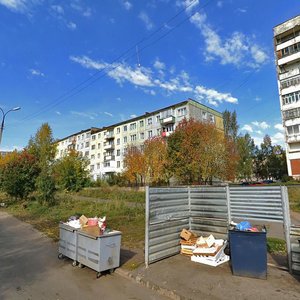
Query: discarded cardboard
x: 187, y: 235
x: 83, y: 220
x: 92, y: 230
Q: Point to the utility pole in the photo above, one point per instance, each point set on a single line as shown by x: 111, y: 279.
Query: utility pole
x: 3, y: 119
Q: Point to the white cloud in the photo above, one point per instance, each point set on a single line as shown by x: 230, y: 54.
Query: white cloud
x: 159, y: 65
x: 133, y: 116
x: 220, y: 4
x: 189, y: 5
x: 36, y: 72
x: 127, y: 5
x: 237, y: 49
x: 262, y: 125
x: 145, y: 18
x: 214, y: 97
x: 247, y: 127
x: 146, y: 78
x: 87, y: 12
x: 242, y: 10
x: 15, y: 5
x: 58, y: 9
x: 278, y: 138
x: 259, y: 131
x: 279, y: 127
x: 13, y: 148
x: 257, y: 99
x: 108, y: 114
x: 258, y: 140
x: 90, y: 116
x: 71, y: 25
x: 58, y: 113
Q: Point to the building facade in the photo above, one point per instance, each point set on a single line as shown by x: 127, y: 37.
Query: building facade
x: 287, y: 55
x: 105, y: 147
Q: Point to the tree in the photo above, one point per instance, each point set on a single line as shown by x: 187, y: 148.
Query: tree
x: 18, y: 174
x: 198, y: 152
x: 231, y: 126
x: 42, y: 146
x: 245, y: 146
x: 70, y: 172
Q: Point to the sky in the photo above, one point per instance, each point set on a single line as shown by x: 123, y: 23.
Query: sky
x: 79, y: 64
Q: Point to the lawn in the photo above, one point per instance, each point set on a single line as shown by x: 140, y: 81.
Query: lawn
x: 129, y: 219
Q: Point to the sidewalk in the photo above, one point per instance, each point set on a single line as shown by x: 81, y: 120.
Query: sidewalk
x: 179, y: 278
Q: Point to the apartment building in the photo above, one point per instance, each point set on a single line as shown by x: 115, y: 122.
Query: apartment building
x: 287, y: 54
x: 105, y: 147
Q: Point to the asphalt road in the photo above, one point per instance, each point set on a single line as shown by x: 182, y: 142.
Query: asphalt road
x: 29, y: 269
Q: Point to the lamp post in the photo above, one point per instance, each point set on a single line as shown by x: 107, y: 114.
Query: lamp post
x: 3, y: 119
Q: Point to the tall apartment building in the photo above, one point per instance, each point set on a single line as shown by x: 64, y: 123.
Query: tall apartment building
x: 287, y: 53
x: 105, y: 147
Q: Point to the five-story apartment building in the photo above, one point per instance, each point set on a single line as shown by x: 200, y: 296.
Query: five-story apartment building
x: 105, y: 147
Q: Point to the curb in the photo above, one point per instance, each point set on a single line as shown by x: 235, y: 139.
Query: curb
x: 150, y: 285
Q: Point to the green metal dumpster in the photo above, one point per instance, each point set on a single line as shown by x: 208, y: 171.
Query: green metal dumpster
x: 248, y: 251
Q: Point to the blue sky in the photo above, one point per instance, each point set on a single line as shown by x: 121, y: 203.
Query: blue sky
x: 75, y: 64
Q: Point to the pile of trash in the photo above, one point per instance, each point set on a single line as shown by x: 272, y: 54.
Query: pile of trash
x: 205, y: 250
x: 247, y: 226
x: 93, y: 226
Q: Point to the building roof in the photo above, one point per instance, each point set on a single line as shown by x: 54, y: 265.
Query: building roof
x: 286, y: 25
x: 145, y: 115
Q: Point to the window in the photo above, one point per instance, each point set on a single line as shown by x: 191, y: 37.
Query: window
x: 181, y: 112
x: 86, y: 153
x: 98, y: 165
x: 118, y: 141
x: 291, y: 98
x: 125, y: 128
x: 88, y: 135
x: 158, y: 131
x: 99, y: 135
x: 204, y: 115
x: 149, y: 133
x: 107, y: 164
x: 157, y: 118
x: 118, y: 152
x: 93, y: 137
x: 211, y: 118
x: 87, y: 144
x: 118, y: 130
x: 125, y: 139
x: 132, y: 126
x: 93, y: 147
x: 142, y: 123
x: 118, y: 164
x: 293, y: 129
x: 133, y: 137
x: 93, y: 156
x: 149, y: 121
x: 81, y: 145
x: 99, y: 145
x: 92, y: 167
x: 77, y: 147
x: 98, y: 155
x: 142, y: 135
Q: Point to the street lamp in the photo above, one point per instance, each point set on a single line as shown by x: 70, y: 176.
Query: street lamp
x: 3, y: 119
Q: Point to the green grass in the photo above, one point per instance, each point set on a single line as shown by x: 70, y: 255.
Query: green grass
x: 113, y: 193
x: 294, y: 198
x: 129, y: 219
x: 276, y: 246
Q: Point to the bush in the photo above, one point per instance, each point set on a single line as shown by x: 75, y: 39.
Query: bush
x: 45, y: 185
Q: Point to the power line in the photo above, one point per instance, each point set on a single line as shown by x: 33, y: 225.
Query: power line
x: 89, y: 81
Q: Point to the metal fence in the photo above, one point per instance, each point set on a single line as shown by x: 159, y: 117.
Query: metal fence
x: 209, y: 209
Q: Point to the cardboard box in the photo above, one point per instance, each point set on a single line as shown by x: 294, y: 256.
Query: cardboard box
x: 83, y: 220
x: 92, y: 230
x: 187, y: 235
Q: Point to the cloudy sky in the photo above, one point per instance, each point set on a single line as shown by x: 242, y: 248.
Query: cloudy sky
x: 77, y: 64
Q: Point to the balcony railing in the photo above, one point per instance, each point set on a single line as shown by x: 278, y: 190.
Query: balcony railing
x: 167, y: 120
x: 166, y: 133
x: 109, y: 157
x: 109, y: 146
x: 109, y: 135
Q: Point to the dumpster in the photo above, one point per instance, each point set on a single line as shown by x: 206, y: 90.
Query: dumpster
x: 99, y: 253
x: 248, y: 251
x: 67, y: 242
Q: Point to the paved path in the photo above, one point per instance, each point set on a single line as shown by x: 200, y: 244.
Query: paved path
x: 29, y: 269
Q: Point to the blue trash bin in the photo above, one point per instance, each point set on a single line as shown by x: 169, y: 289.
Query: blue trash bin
x: 248, y: 251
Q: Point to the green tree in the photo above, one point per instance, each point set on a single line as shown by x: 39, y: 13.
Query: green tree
x: 231, y: 126
x: 42, y: 146
x: 70, y: 172
x: 246, y: 147
x: 18, y: 175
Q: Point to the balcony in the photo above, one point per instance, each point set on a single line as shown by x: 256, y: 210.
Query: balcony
x: 289, y: 58
x: 167, y: 120
x: 108, y: 146
x: 295, y: 138
x: 109, y: 157
x: 110, y: 135
x: 166, y: 133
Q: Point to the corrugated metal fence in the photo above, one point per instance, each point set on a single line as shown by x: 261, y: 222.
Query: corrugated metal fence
x: 205, y: 210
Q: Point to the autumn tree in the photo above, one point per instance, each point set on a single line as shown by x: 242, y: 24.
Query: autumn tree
x: 198, y: 152
x: 18, y: 173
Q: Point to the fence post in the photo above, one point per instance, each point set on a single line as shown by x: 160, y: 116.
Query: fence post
x: 286, y: 223
x: 228, y: 203
x: 147, y: 207
x: 189, y: 199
